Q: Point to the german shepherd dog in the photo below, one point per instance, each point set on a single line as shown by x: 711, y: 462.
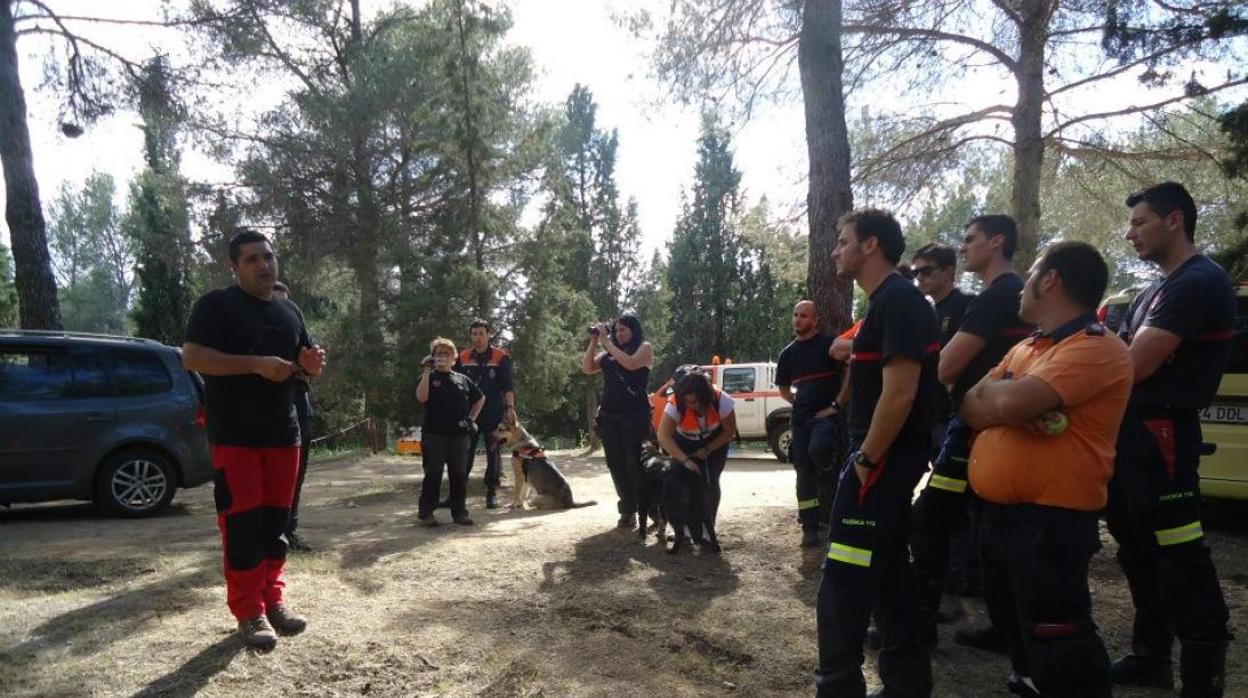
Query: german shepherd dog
x: 654, y: 468
x: 686, y: 503
x: 533, y: 471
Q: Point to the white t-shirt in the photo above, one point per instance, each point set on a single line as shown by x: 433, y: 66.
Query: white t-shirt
x: 725, y: 409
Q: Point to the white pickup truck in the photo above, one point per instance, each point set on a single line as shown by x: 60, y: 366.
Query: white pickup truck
x: 761, y: 412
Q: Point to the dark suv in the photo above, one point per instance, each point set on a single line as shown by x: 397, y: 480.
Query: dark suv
x: 116, y: 420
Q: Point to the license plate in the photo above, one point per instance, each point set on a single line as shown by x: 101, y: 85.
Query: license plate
x: 1225, y: 414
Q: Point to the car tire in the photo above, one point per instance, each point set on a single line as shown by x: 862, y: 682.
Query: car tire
x: 135, y: 483
x: 778, y: 438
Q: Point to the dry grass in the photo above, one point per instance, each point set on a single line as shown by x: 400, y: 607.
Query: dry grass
x: 523, y: 604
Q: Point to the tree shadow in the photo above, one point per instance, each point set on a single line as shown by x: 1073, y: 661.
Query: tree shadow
x: 196, y: 672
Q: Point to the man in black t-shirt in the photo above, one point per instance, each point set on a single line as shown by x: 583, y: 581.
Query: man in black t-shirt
x: 816, y: 425
x: 935, y: 271
x: 1179, y: 331
x: 893, y: 393
x: 989, y: 328
x: 490, y: 368
x: 250, y: 347
x: 452, y: 403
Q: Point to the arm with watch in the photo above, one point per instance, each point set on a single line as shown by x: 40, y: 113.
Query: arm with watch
x: 901, y: 386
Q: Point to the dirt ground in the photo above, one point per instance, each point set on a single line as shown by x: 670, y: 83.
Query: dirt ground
x: 522, y: 604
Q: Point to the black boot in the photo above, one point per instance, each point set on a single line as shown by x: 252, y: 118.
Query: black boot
x: 1140, y: 670
x: 491, y: 499
x: 1202, y: 667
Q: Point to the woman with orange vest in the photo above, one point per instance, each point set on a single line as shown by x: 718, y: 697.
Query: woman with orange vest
x: 698, y: 423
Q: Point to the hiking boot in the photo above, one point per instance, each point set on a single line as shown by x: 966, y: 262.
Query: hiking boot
x: 491, y: 500
x: 257, y: 633
x: 285, y: 621
x: 1139, y: 670
x: 428, y: 521
x: 985, y: 638
x: 627, y: 522
x: 810, y: 539
x: 463, y: 520
x: 296, y: 543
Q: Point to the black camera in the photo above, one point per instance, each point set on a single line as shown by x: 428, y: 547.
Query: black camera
x: 427, y: 361
x: 593, y: 330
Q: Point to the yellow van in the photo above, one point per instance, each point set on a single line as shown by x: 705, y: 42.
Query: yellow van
x: 1224, y: 468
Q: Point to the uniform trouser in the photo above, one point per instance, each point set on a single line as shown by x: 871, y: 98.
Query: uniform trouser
x: 1035, y: 561
x: 868, y: 568
x: 1154, y: 514
x: 305, y: 445
x: 440, y: 451
x: 252, y: 488
x: 814, y: 448
x: 493, y: 461
x: 621, y: 436
x: 712, y: 467
x: 940, y: 514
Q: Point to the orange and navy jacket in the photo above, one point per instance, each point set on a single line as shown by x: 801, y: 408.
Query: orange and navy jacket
x: 492, y: 375
x: 690, y: 427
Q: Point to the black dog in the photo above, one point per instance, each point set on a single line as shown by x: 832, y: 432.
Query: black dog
x: 654, y: 467
x: 686, y: 502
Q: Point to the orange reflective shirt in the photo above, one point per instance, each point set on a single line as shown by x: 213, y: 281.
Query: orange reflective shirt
x: 1091, y: 370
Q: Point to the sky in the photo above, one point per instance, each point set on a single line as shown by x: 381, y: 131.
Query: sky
x: 571, y: 41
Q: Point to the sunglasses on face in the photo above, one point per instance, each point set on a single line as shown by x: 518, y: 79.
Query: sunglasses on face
x: 923, y: 271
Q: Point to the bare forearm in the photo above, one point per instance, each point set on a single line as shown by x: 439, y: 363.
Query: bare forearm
x: 786, y: 394
x: 211, y: 362
x: 476, y: 409
x: 588, y: 366
x: 422, y: 389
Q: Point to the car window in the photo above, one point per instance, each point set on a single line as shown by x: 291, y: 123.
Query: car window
x: 1239, y: 344
x: 140, y: 373
x: 738, y: 380
x: 50, y: 374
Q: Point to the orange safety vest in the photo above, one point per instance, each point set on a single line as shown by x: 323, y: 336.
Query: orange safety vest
x: 496, y: 357
x: 690, y: 426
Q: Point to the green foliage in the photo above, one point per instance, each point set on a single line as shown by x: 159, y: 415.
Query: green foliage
x: 8, y: 292
x: 92, y: 257
x: 158, y: 220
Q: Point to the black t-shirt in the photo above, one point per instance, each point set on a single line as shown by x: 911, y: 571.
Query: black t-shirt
x: 899, y: 322
x: 249, y: 410
x: 993, y: 316
x: 451, y: 397
x: 491, y: 371
x: 623, y: 391
x: 949, y: 313
x: 1196, y: 302
x: 816, y: 376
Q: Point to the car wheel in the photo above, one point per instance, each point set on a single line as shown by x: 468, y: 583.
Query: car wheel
x: 779, y: 439
x: 135, y: 483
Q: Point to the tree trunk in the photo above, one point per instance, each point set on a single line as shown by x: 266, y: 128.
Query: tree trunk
x: 36, y: 287
x: 591, y: 412
x: 1028, y: 142
x: 827, y: 146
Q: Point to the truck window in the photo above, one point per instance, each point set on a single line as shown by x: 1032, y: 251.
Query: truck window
x: 738, y: 380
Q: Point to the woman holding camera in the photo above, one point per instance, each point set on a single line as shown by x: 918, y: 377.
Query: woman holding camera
x: 697, y: 426
x: 623, y: 420
x: 452, y: 402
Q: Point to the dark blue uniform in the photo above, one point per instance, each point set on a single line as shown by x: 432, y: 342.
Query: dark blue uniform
x: 491, y: 372
x: 816, y: 442
x: 1154, y: 497
x: 868, y: 565
x: 940, y: 514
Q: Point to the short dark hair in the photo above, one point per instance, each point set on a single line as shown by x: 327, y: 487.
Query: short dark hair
x: 479, y: 323
x: 245, y: 237
x: 279, y: 286
x: 1081, y: 268
x: 943, y: 256
x: 905, y: 270
x: 1166, y: 198
x: 879, y: 224
x: 995, y: 224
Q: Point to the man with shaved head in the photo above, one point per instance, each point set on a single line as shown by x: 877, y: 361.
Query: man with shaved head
x: 809, y: 378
